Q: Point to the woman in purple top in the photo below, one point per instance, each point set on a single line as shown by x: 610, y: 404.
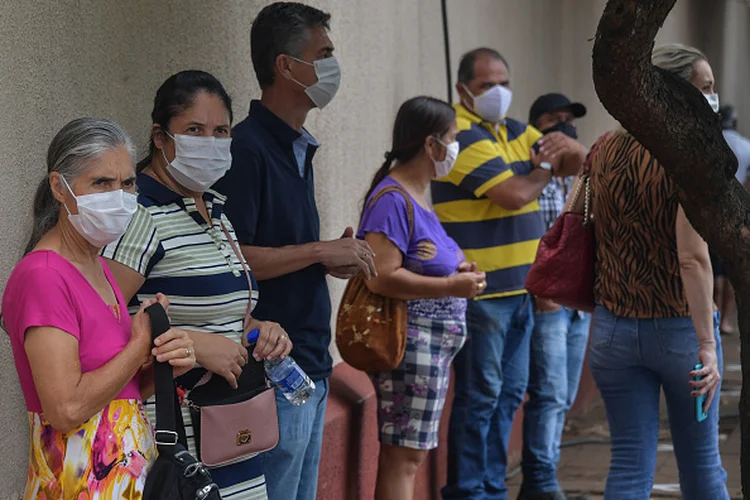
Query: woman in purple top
x: 418, y: 262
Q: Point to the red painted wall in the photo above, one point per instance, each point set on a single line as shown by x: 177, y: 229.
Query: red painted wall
x: 349, y: 460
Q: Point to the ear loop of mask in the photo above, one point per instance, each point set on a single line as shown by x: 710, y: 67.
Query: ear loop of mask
x: 65, y: 181
x: 442, y: 144
x: 167, y: 162
x: 298, y: 82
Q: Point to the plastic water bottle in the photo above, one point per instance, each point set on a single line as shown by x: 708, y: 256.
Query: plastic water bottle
x: 287, y: 376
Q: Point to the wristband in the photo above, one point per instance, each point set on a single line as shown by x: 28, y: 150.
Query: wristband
x: 545, y: 165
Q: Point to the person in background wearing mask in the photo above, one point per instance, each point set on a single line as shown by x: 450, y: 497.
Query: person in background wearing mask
x: 723, y: 291
x: 558, y: 341
x: 489, y: 204
x: 179, y: 243
x: 271, y: 203
x: 83, y: 364
x: 417, y: 262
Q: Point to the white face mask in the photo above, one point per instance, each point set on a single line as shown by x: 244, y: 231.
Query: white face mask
x: 102, y: 217
x: 199, y: 161
x: 329, y: 78
x: 444, y: 167
x: 713, y: 100
x: 493, y: 105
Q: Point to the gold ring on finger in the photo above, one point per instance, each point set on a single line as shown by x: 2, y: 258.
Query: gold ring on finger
x: 188, y: 352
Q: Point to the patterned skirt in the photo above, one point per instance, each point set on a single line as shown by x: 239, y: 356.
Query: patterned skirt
x: 411, y: 397
x: 106, y: 458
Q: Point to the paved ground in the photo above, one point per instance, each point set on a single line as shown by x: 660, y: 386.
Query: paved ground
x: 583, y: 468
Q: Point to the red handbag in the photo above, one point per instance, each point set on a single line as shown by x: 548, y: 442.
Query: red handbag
x: 563, y: 270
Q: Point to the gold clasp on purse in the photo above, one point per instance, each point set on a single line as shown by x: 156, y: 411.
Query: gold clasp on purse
x: 243, y: 437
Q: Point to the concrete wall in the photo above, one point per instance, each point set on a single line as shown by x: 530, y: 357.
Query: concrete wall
x: 66, y: 58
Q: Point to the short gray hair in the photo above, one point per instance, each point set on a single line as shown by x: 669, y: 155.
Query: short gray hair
x: 678, y: 59
x: 70, y: 154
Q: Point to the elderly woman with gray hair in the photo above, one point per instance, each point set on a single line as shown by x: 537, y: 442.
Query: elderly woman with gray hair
x: 655, y: 321
x: 83, y: 364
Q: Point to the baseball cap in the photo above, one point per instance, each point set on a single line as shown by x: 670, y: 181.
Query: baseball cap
x: 553, y: 102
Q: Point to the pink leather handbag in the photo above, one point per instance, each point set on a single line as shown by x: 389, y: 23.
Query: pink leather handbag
x: 233, y: 424
x: 227, y: 432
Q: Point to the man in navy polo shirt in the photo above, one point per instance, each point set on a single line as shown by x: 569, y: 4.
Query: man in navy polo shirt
x: 271, y: 203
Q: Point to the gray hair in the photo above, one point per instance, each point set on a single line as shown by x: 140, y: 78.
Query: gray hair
x: 70, y: 154
x: 678, y: 59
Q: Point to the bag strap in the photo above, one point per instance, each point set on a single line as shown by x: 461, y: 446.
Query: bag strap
x: 585, y: 180
x: 409, y: 204
x: 246, y: 269
x: 169, y: 428
x: 206, y: 375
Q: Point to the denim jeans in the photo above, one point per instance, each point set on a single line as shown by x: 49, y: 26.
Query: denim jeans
x: 632, y: 360
x: 292, y: 467
x: 558, y: 348
x: 491, y: 373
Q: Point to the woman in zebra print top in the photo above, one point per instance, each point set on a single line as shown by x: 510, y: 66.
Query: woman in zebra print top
x: 655, y: 319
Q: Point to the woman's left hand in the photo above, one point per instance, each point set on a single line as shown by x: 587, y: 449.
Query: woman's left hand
x: 176, y: 347
x: 710, y: 373
x: 273, y: 341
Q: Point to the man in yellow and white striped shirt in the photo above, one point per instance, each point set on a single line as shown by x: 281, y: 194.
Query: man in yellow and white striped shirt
x: 489, y: 205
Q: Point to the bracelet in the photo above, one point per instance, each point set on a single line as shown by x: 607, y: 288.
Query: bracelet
x: 707, y: 341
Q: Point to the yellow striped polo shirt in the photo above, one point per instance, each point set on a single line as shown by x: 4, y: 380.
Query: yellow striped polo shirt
x: 502, y: 242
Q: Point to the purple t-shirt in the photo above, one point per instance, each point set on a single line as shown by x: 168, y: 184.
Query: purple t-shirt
x: 429, y: 252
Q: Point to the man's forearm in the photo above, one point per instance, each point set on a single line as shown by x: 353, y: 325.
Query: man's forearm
x: 268, y: 263
x: 520, y: 190
x: 532, y: 185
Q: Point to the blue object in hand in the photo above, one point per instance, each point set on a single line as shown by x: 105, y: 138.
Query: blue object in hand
x: 700, y: 415
x: 252, y: 336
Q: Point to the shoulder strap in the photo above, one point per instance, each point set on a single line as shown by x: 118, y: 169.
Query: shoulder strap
x: 241, y: 258
x: 409, y: 204
x: 583, y: 183
x: 169, y: 428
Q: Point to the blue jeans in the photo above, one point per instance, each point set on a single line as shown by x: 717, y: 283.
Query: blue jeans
x: 558, y: 347
x: 292, y: 467
x: 632, y: 360
x: 491, y: 372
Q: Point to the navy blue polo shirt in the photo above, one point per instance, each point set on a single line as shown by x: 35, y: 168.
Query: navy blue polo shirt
x: 271, y: 203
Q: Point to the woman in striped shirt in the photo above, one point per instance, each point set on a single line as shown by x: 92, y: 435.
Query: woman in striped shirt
x: 177, y: 245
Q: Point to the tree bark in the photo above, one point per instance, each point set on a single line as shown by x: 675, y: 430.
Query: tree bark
x: 675, y: 123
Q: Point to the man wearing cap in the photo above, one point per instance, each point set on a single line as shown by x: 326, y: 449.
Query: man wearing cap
x: 489, y: 205
x: 558, y: 341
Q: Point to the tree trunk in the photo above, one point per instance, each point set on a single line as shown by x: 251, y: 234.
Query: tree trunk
x: 673, y: 120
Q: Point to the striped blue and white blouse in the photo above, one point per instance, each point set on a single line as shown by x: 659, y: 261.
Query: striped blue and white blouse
x: 180, y: 255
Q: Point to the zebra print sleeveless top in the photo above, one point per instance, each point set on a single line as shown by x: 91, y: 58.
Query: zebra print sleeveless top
x: 635, y: 209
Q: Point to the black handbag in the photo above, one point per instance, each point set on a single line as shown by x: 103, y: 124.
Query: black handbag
x: 176, y: 474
